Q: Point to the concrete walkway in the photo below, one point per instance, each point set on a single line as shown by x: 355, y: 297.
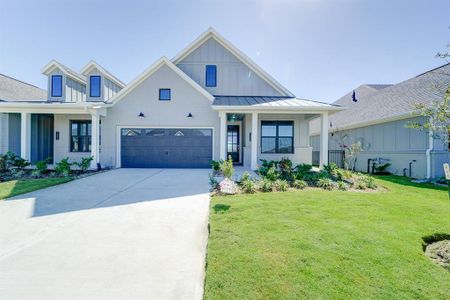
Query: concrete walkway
x: 123, y: 234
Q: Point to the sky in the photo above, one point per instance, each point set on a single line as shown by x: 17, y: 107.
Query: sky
x: 317, y: 49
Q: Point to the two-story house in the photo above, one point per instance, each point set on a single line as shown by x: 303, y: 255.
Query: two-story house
x: 208, y: 102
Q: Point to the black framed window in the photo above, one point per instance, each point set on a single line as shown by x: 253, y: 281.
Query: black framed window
x: 165, y: 94
x: 56, y: 85
x: 95, y: 83
x: 80, y: 136
x: 277, y: 137
x: 211, y: 76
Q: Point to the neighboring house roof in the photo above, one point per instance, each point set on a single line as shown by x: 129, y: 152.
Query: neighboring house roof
x: 271, y: 102
x: 152, y: 69
x: 12, y: 89
x: 93, y: 65
x: 391, y: 102
x: 211, y: 33
x: 53, y: 64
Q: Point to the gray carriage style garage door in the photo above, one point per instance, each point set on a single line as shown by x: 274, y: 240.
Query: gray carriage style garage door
x: 166, y: 148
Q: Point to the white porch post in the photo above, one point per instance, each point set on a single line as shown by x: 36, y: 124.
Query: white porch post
x: 95, y: 139
x: 223, y: 135
x: 254, y: 149
x: 324, y: 139
x: 25, y: 136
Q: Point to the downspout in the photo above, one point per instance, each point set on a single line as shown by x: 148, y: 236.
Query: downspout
x: 428, y: 152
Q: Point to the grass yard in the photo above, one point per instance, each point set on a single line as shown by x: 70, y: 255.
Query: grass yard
x: 328, y: 244
x: 17, y: 187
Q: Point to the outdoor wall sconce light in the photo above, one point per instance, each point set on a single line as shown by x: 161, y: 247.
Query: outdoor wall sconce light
x: 189, y: 115
x: 57, y: 135
x: 141, y: 115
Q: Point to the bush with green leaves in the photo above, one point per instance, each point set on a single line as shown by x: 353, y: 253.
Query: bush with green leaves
x: 17, y: 173
x: 266, y: 185
x: 215, y: 165
x: 272, y: 174
x: 245, y: 176
x: 281, y: 185
x: 302, y: 171
x: 331, y: 169
x: 266, y: 165
x: 368, y: 181
x: 381, y: 169
x: 325, y: 183
x: 62, y: 168
x: 299, y: 184
x: 226, y: 167
x: 42, y: 166
x: 342, y: 186
x: 7, y: 161
x: 21, y: 163
x: 285, y: 168
x: 213, y: 182
x: 85, y: 163
x: 343, y: 174
x: 248, y: 186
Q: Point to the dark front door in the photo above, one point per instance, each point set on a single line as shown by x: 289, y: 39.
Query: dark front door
x: 233, y: 143
x: 166, y: 148
x: 42, y: 137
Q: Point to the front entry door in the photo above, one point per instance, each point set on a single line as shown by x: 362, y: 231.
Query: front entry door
x: 233, y: 146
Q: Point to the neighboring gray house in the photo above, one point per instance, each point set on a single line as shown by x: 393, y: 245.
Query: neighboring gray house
x: 209, y: 102
x: 12, y: 89
x: 377, y: 119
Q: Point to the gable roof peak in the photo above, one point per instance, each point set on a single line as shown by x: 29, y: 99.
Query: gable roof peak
x: 212, y: 33
x: 93, y: 64
x: 53, y: 64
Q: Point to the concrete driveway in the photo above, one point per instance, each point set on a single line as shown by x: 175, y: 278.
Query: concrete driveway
x: 122, y: 234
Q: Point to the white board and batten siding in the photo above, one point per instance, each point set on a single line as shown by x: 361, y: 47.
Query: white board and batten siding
x: 108, y: 87
x: 233, y: 76
x: 72, y: 90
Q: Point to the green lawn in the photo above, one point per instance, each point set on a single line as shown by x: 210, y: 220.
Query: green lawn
x: 328, y: 244
x: 17, y: 187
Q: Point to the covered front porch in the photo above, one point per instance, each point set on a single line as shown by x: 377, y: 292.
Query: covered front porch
x: 249, y: 137
x: 52, y: 131
x: 272, y: 129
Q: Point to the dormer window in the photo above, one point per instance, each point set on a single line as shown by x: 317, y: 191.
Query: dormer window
x: 95, y: 86
x: 211, y: 76
x: 56, y: 86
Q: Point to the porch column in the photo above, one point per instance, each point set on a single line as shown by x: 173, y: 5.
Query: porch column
x: 324, y: 139
x: 223, y: 135
x: 254, y: 149
x: 95, y: 139
x: 25, y: 136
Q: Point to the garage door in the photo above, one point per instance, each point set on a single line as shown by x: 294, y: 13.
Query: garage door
x: 166, y: 147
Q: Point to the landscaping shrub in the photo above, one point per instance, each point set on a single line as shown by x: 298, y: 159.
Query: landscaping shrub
x: 302, y: 171
x: 213, y: 182
x: 248, y: 186
x: 342, y: 186
x: 325, y: 183
x: 266, y: 165
x: 215, y: 165
x: 245, y: 177
x: 272, y: 174
x: 85, y: 163
x: 381, y: 169
x: 299, y: 184
x: 343, y: 174
x: 63, y: 167
x: 331, y: 169
x: 226, y: 167
x: 7, y: 161
x: 20, y: 163
x: 281, y: 185
x: 17, y: 173
x: 265, y: 185
x: 285, y: 167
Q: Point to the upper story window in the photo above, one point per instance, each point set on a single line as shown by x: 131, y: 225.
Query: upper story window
x: 80, y: 136
x: 56, y: 86
x: 165, y: 94
x: 277, y: 137
x: 211, y: 76
x: 95, y: 83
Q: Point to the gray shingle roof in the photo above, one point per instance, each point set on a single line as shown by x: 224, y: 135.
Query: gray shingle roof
x: 12, y: 89
x: 390, y: 101
x: 268, y: 101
